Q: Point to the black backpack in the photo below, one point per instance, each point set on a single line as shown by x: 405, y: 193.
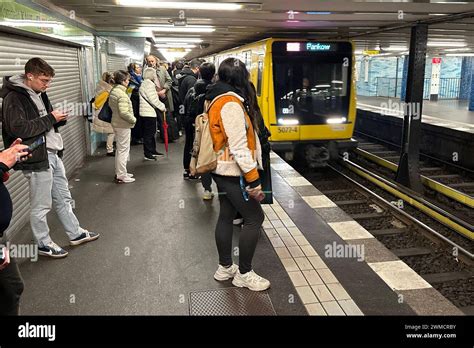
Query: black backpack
x: 105, y: 113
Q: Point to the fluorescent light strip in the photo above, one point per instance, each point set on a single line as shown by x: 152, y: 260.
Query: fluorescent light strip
x: 460, y: 54
x: 395, y: 48
x: 457, y: 49
x: 181, y: 5
x: 178, y: 45
x: 178, y: 39
x: 186, y: 29
x: 446, y: 44
x: 31, y: 23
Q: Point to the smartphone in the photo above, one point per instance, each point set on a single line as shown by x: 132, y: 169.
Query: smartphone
x: 32, y: 147
x: 245, y: 194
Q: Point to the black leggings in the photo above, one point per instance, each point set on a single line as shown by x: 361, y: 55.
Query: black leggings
x: 232, y: 201
x: 149, y: 132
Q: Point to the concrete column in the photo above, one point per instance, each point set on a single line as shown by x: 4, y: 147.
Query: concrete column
x: 471, y: 98
x: 467, y: 71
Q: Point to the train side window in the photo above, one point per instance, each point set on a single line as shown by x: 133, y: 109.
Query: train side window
x: 259, y: 75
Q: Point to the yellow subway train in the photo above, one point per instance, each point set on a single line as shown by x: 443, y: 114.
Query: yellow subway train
x: 306, y: 91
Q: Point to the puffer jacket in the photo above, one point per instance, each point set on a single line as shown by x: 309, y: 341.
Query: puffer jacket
x: 102, y: 91
x: 149, y: 99
x: 122, y: 110
x: 234, y: 137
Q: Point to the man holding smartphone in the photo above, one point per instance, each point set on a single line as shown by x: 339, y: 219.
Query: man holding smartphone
x: 28, y: 114
x: 11, y: 284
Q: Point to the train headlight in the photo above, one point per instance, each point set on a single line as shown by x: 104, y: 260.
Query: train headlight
x: 336, y: 120
x: 288, y: 121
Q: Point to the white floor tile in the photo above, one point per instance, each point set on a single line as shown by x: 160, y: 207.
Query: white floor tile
x: 399, y: 276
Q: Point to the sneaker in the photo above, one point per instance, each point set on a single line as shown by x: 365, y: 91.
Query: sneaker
x: 194, y: 177
x: 250, y: 280
x: 208, y: 195
x: 130, y: 175
x: 52, y: 250
x: 224, y: 273
x: 238, y: 222
x: 151, y: 158
x: 84, y: 238
x: 186, y: 175
x: 158, y: 154
x: 111, y: 154
x: 124, y: 179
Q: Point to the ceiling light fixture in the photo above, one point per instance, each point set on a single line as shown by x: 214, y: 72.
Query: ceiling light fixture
x: 31, y: 23
x: 171, y: 45
x: 186, y: 29
x: 446, y: 44
x: 178, y: 39
x: 217, y: 6
x: 395, y: 48
x: 457, y: 49
x: 460, y: 54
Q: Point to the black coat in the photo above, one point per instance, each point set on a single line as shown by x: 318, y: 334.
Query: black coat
x: 21, y: 119
x: 186, y: 80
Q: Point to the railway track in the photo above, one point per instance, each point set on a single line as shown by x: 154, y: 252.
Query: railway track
x: 448, y: 179
x: 439, y: 194
x: 444, y: 258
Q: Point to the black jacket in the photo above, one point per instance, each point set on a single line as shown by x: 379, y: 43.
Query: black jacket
x: 186, y: 80
x: 21, y: 119
x: 194, y: 101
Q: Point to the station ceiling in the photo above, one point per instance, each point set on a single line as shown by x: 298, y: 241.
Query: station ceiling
x: 256, y: 20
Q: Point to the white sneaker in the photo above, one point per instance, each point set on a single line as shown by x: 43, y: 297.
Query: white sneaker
x: 208, y: 195
x: 125, y: 179
x: 250, y: 280
x: 223, y: 273
x: 237, y: 222
x: 130, y: 175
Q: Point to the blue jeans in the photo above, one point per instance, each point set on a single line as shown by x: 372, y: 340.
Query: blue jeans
x: 48, y: 187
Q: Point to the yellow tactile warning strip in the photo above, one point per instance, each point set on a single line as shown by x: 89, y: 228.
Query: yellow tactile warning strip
x: 316, y: 285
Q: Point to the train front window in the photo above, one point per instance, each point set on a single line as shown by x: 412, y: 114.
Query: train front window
x: 311, y: 87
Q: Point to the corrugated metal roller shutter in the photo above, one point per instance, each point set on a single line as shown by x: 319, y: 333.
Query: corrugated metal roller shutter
x: 115, y: 63
x: 66, y: 88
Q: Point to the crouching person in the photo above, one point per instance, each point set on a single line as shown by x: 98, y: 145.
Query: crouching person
x: 28, y: 114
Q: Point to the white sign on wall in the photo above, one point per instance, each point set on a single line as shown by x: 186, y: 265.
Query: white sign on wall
x: 435, y: 78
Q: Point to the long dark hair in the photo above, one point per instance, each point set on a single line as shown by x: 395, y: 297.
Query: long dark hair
x: 233, y: 72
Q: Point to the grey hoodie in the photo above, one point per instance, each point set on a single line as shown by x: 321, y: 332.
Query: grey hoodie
x: 54, y: 141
